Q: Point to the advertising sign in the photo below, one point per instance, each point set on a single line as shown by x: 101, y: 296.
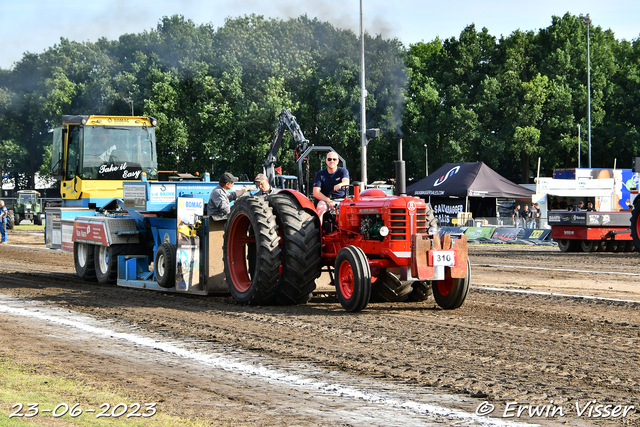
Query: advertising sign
x: 536, y: 233
x: 162, y: 193
x: 135, y: 196
x: 478, y: 232
x: 86, y: 232
x: 188, y: 244
x: 445, y: 210
x: 506, y: 234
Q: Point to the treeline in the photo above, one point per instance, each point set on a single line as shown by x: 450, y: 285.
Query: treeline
x: 217, y: 94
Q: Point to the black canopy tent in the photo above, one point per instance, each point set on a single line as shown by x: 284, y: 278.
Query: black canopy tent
x: 468, y: 180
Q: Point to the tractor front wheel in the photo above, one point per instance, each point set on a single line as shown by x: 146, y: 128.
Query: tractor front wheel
x: 352, y: 278
x: 83, y: 257
x: 450, y: 293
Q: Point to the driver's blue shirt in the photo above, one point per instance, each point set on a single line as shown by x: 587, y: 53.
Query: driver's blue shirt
x: 326, y: 181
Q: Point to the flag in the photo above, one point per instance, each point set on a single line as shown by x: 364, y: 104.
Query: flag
x: 279, y: 170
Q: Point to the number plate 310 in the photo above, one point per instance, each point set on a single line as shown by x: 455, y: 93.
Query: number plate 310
x: 446, y: 258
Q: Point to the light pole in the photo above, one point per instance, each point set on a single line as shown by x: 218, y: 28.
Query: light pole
x: 426, y: 160
x: 587, y: 21
x: 579, y: 146
x: 129, y: 101
x: 363, y: 118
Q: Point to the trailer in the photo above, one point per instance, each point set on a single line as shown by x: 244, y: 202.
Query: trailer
x: 591, y: 231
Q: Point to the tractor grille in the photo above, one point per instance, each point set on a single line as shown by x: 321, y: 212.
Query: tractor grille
x: 399, y: 225
x: 421, y: 221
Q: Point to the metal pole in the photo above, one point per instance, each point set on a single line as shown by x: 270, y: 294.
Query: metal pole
x: 363, y: 118
x: 589, y: 89
x: 426, y: 160
x: 579, y: 151
x: 538, y: 176
x: 587, y: 21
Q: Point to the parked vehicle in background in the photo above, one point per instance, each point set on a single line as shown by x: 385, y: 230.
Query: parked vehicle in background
x: 28, y: 207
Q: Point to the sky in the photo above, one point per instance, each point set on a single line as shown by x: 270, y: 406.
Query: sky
x: 35, y: 25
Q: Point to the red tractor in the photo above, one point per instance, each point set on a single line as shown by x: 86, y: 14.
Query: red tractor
x: 376, y: 247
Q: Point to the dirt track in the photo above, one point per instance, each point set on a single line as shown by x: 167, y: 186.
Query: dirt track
x: 497, y: 347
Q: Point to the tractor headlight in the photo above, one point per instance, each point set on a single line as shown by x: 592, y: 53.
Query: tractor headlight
x: 384, y: 231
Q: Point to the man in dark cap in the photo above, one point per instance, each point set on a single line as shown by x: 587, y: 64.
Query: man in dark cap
x: 218, y: 207
x: 263, y: 184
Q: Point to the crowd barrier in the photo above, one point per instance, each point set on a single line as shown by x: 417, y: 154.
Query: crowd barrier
x: 502, y: 235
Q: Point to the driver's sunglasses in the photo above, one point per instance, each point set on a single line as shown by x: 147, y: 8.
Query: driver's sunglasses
x: 331, y: 158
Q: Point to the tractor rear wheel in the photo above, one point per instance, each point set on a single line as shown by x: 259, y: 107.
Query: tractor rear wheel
x: 251, y: 230
x: 352, y: 278
x: 83, y: 257
x: 569, y: 245
x: 106, y: 259
x: 300, y: 245
x: 432, y: 221
x: 635, y: 224
x: 164, y: 265
x: 421, y: 291
x: 450, y: 293
x: 389, y: 288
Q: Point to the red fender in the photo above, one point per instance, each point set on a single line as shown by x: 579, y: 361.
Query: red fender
x: 303, y: 201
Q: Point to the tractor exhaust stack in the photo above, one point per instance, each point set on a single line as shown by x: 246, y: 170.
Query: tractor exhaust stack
x: 401, y: 178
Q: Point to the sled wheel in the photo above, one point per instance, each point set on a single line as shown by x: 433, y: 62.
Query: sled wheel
x: 389, y: 288
x: 352, y: 279
x: 84, y: 261
x: 251, y: 251
x: 421, y: 291
x: 589, y: 245
x: 106, y: 259
x: 165, y: 265
x: 300, y: 245
x: 450, y: 293
x: 612, y: 245
x: 569, y: 245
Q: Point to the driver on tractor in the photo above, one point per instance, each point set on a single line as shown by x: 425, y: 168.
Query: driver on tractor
x: 329, y: 185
